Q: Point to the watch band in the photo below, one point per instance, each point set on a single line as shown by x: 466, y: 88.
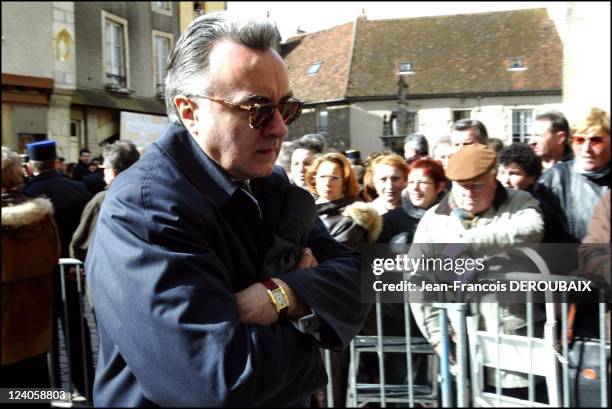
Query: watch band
x: 273, y: 289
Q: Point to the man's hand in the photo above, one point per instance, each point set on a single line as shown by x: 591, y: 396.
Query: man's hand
x: 254, y: 304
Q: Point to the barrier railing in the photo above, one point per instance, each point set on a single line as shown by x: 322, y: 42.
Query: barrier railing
x: 542, y: 356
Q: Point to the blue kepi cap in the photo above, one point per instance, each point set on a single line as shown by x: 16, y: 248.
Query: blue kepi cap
x: 43, y: 150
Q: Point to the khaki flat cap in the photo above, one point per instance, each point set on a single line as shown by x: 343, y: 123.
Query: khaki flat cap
x: 470, y: 162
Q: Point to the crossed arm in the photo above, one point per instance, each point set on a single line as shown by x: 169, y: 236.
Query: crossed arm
x: 255, y: 307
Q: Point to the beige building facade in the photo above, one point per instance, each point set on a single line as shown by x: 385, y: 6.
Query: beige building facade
x: 435, y: 117
x: 70, y: 69
x: 586, y: 68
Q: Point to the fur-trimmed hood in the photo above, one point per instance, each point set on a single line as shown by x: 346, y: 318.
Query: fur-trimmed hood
x: 367, y: 217
x: 21, y: 212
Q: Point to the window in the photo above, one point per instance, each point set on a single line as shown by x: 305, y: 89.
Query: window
x: 76, y: 134
x: 516, y: 64
x: 321, y: 121
x: 162, y: 43
x: 405, y: 67
x: 115, y: 51
x: 162, y: 7
x: 459, y: 114
x: 314, y: 68
x: 521, y: 120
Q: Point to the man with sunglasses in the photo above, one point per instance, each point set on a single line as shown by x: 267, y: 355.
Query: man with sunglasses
x: 574, y: 187
x: 186, y: 316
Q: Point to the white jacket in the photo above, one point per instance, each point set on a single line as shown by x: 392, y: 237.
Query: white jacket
x: 514, y: 217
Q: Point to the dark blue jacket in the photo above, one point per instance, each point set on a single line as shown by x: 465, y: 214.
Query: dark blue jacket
x: 174, y: 241
x: 94, y: 182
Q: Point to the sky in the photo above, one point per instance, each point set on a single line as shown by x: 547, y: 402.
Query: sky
x: 313, y: 16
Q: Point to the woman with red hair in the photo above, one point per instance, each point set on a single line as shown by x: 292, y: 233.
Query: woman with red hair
x: 351, y: 222
x: 425, y: 188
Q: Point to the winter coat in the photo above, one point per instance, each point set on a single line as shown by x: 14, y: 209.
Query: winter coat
x: 84, y: 232
x: 513, y: 218
x: 594, y: 253
x: 399, y: 225
x: 349, y: 222
x: 573, y: 196
x: 30, y: 252
x: 68, y: 197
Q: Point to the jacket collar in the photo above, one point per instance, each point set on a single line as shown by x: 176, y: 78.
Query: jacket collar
x: 447, y: 203
x: 19, y: 210
x: 417, y: 212
x: 331, y: 207
x: 202, y: 171
x: 182, y: 148
x: 45, y: 175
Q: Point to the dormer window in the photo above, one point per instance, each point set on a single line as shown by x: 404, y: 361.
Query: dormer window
x: 314, y: 68
x: 516, y: 64
x: 405, y: 67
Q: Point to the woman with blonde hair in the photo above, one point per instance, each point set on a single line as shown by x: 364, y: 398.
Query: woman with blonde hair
x: 387, y: 176
x: 30, y: 251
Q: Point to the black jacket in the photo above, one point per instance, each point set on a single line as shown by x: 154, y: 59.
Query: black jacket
x: 342, y: 228
x: 95, y: 182
x: 69, y: 197
x: 80, y: 171
x: 399, y: 225
x: 570, y: 197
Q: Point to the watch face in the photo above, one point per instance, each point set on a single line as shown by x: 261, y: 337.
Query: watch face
x: 280, y: 300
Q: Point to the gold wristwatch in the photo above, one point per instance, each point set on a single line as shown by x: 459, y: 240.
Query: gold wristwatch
x: 278, y: 297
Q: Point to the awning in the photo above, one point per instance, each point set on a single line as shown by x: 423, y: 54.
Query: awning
x: 105, y: 99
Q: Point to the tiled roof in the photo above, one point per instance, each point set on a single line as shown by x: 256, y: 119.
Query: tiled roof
x: 466, y: 53
x: 331, y: 47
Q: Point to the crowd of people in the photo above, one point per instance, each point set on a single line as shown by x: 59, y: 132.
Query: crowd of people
x: 216, y: 276
x: 469, y: 191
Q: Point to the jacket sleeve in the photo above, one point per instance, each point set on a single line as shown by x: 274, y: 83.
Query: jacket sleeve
x: 165, y: 301
x: 594, y: 252
x: 84, y: 231
x: 349, y: 233
x: 525, y: 225
x: 548, y: 190
x: 425, y: 314
x: 332, y: 289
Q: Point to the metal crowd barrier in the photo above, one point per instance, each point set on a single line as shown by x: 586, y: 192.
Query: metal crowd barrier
x: 75, y: 336
x: 547, y: 357
x: 361, y: 393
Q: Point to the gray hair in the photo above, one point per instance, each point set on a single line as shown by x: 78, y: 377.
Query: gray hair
x: 12, y: 174
x: 313, y: 142
x: 188, y: 63
x: 40, y: 166
x: 418, y: 142
x: 120, y: 155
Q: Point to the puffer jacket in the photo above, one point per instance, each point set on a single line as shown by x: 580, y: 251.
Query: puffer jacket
x: 350, y: 222
x: 30, y: 251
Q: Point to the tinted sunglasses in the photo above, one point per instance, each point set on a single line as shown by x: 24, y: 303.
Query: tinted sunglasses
x: 261, y: 114
x: 596, y: 141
